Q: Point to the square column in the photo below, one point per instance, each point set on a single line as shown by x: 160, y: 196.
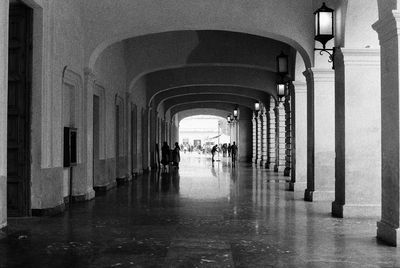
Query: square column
x: 358, y: 133
x: 4, y: 8
x: 271, y: 134
x: 280, y: 161
x: 288, y: 136
x: 321, y: 134
x: 264, y: 140
x: 388, y: 28
x: 298, y: 181
x: 254, y: 124
x: 259, y: 139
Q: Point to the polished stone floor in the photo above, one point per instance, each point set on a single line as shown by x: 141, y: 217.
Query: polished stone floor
x: 198, y: 216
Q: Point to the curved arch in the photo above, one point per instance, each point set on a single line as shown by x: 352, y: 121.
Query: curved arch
x: 356, y: 31
x: 137, y: 18
x: 222, y: 98
x: 188, y: 90
x: 201, y: 111
x: 207, y: 76
x: 227, y: 107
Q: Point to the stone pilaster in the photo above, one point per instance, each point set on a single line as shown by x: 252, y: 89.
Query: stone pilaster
x: 4, y: 7
x: 320, y: 134
x: 280, y: 136
x: 358, y: 157
x: 254, y: 124
x: 264, y: 138
x: 271, y: 134
x: 288, y: 136
x: 298, y: 181
x: 83, y: 188
x: 388, y: 28
x: 259, y: 138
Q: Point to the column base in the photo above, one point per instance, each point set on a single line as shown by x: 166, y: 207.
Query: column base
x: 258, y: 162
x: 312, y: 195
x: 286, y: 172
x: 122, y: 180
x: 49, y: 211
x: 388, y: 234
x: 84, y: 197
x: 254, y: 160
x: 290, y: 186
x: 105, y: 188
x: 279, y: 168
x: 355, y: 210
x: 263, y: 163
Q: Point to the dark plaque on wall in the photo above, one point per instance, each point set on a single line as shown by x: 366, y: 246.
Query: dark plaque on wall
x: 70, y: 146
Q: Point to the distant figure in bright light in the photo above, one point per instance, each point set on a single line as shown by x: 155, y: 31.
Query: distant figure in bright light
x: 234, y: 150
x: 176, y: 157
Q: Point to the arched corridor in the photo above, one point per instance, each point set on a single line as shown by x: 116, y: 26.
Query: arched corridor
x: 309, y: 92
x: 198, y: 216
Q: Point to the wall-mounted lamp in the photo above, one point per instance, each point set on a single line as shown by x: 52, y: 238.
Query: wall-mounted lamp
x: 229, y: 119
x: 282, y: 64
x: 256, y: 106
x: 235, y: 113
x: 324, y: 21
x: 282, y: 90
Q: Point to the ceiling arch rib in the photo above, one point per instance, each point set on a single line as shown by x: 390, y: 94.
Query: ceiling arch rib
x: 233, y: 90
x: 201, y: 111
x: 208, y: 76
x: 136, y: 18
x: 221, y: 98
x: 169, y: 50
x: 227, y: 107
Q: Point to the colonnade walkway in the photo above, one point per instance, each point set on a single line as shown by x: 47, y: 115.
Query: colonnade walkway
x: 197, y: 216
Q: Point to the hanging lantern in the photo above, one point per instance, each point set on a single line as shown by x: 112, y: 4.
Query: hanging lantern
x: 323, y: 24
x: 282, y: 64
x: 228, y: 118
x: 281, y: 90
x: 256, y: 106
x: 235, y: 113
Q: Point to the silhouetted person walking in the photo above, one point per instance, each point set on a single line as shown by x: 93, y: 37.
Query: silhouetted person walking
x: 176, y: 157
x: 165, y: 159
x: 213, y: 151
x: 234, y: 150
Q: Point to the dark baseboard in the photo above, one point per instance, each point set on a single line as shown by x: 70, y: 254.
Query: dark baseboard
x: 49, y: 211
x: 122, y: 180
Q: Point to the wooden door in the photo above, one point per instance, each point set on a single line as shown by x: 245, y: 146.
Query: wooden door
x: 19, y: 95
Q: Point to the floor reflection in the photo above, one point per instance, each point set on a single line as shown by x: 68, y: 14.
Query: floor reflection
x: 200, y: 215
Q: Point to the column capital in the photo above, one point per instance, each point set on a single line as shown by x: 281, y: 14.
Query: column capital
x: 319, y: 75
x: 358, y: 56
x: 299, y: 87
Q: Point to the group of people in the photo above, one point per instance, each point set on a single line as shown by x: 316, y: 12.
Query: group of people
x: 170, y: 156
x: 230, y: 149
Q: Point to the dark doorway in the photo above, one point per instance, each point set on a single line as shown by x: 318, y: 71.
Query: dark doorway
x: 19, y: 110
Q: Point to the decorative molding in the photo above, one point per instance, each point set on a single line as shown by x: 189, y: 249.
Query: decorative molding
x: 361, y: 57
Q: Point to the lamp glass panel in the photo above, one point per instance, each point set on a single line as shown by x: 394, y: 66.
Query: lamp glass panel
x: 325, y: 23
x: 281, y: 90
x: 282, y: 65
x: 235, y: 113
x: 257, y: 106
